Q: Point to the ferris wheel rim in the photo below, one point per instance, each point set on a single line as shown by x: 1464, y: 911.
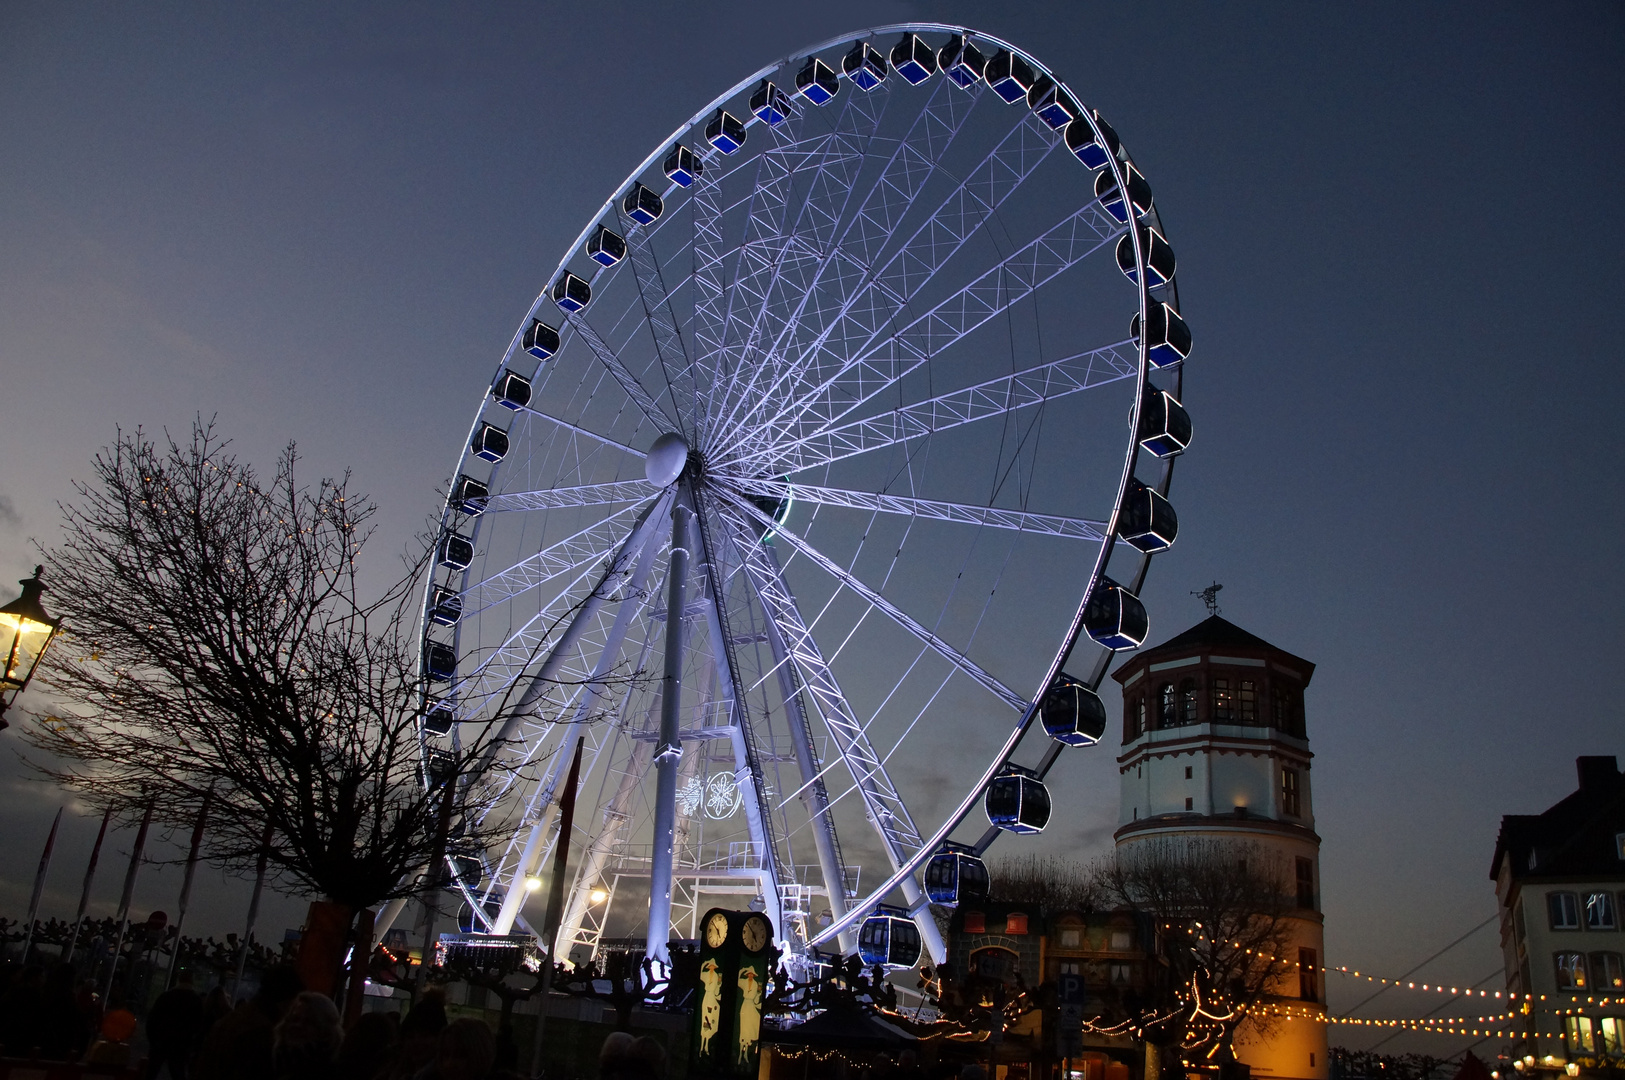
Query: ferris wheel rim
x: 1107, y: 545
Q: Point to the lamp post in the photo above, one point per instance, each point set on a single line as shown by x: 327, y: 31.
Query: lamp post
x: 26, y: 631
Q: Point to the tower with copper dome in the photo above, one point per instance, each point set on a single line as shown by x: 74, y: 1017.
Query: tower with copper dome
x: 1215, y: 748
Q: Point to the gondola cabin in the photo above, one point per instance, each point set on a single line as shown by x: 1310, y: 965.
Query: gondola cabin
x: 439, y: 662
x: 1167, y: 338
x: 1051, y: 104
x: 445, y: 606
x: 1088, y: 147
x: 1148, y: 521
x: 1073, y: 714
x: 864, y: 66
x: 817, y: 82
x: 490, y: 443
x: 439, y: 716
x: 725, y: 132
x: 889, y: 938
x: 1159, y: 258
x: 571, y: 293
x: 1111, y: 196
x: 770, y: 104
x: 1165, y: 426
x: 962, y: 62
x: 913, y: 59
x: 1114, y: 617
x: 682, y: 168
x: 541, y: 340
x: 1017, y: 801
x: 456, y: 552
x: 511, y: 390
x: 955, y: 875
x: 1009, y: 76
x: 468, y: 495
x: 605, y: 248
x: 643, y: 205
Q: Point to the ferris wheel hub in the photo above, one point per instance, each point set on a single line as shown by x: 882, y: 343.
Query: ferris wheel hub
x: 666, y: 459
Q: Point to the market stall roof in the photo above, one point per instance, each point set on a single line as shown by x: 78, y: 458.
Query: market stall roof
x: 843, y: 1029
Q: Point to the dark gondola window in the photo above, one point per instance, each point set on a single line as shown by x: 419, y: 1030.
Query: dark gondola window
x: 1247, y: 701
x: 1224, y: 706
x: 1165, y: 697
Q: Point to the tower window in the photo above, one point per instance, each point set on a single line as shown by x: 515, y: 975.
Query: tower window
x: 1188, y: 805
x: 1139, y: 717
x: 1247, y: 701
x: 1308, y: 975
x: 1291, y: 806
x: 1187, y: 701
x: 1165, y: 712
x: 1187, y: 772
x: 1306, y: 882
x: 1223, y: 703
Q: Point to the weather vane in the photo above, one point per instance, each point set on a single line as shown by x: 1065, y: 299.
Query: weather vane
x: 1210, y: 597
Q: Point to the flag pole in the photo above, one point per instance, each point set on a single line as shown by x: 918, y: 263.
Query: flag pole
x: 129, y: 894
x: 84, y: 897
x: 39, y: 884
x: 555, y: 901
x: 253, y: 910
x: 186, y: 885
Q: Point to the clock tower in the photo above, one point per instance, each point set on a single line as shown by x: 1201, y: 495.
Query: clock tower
x: 1215, y: 748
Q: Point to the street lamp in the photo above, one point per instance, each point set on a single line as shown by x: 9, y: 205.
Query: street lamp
x: 27, y: 631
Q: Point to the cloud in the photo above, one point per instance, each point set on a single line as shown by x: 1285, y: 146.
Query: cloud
x: 9, y: 517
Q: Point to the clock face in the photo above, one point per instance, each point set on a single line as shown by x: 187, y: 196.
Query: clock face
x: 755, y: 934
x: 716, y: 930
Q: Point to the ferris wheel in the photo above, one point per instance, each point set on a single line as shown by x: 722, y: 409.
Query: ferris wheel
x: 814, y: 494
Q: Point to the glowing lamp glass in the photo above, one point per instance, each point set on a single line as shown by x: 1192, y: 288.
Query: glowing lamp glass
x: 532, y: 883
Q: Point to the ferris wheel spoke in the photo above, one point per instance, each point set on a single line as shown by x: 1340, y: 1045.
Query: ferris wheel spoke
x: 553, y: 561
x: 893, y: 193
x: 1034, y: 265
x: 662, y: 321
x: 992, y: 398
x: 579, y: 430
x: 623, y: 375
x: 581, y: 495
x: 877, y: 299
x: 972, y: 670
x: 961, y: 513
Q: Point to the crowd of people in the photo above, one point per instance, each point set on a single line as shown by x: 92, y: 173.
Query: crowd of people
x: 281, y: 1033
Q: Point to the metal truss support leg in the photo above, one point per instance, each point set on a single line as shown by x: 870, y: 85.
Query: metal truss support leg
x: 669, y: 749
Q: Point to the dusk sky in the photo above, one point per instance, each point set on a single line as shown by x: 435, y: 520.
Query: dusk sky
x: 1399, y: 239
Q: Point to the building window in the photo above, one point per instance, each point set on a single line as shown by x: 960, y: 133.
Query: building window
x: 1015, y: 924
x: 1122, y: 974
x: 1247, y: 701
x: 1223, y: 703
x: 1071, y: 967
x: 1308, y: 975
x: 1279, y: 707
x: 1290, y: 804
x: 1612, y: 1028
x: 975, y: 922
x: 1071, y: 939
x: 1619, y: 845
x: 1139, y: 717
x: 1165, y: 710
x: 1577, y: 1035
x: 1571, y: 971
x: 1599, y: 911
x: 1188, y: 805
x: 1606, y: 971
x: 1187, y: 772
x: 1564, y: 910
x: 1122, y: 940
x: 1306, y: 882
x: 994, y: 964
x: 1187, y: 701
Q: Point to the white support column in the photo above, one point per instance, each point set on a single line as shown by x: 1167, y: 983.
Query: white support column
x: 669, y: 749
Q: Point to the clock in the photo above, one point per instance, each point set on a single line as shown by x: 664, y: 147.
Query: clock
x: 756, y: 934
x: 716, y: 930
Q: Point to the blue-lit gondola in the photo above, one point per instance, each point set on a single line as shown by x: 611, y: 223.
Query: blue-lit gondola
x: 1167, y: 337
x: 1114, y: 617
x: 456, y: 552
x: 913, y: 59
x: 1165, y: 426
x: 955, y: 875
x: 1148, y: 521
x: 489, y: 443
x: 511, y: 390
x: 1111, y: 197
x: 439, y: 662
x: 864, y: 66
x: 1051, y: 104
x: 1072, y: 713
x: 725, y: 132
x: 962, y: 62
x: 889, y: 938
x: 1017, y: 801
x: 682, y: 167
x: 1159, y: 258
x: 606, y: 248
x: 1093, y: 151
x: 446, y: 606
x: 541, y: 340
x: 438, y: 716
x: 571, y: 293
x: 817, y: 82
x: 1009, y: 76
x: 770, y: 104
x: 643, y: 205
x: 468, y: 495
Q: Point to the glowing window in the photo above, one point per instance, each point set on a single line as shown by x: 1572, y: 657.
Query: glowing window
x: 1187, y: 701
x: 1224, y: 706
x: 1071, y: 939
x: 1165, y: 698
x: 1577, y: 1035
x: 1571, y: 970
x: 1015, y: 923
x: 1247, y: 702
x: 975, y: 922
x: 1606, y: 971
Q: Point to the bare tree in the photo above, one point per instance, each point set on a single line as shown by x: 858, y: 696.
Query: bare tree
x: 219, y: 640
x: 1052, y: 882
x: 1224, y: 916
